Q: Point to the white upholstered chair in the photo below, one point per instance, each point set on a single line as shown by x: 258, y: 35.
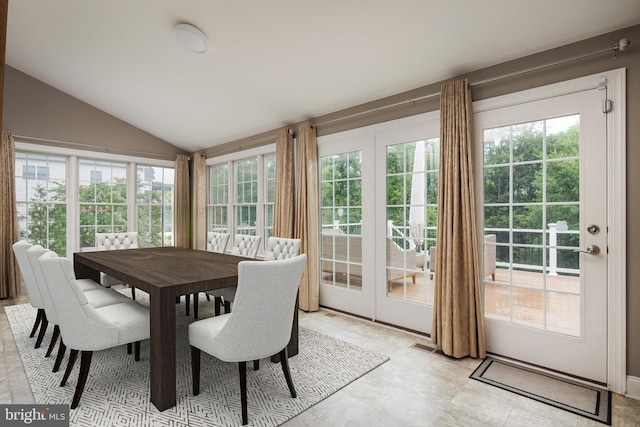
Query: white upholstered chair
x: 282, y: 248
x: 260, y: 325
x: 216, y: 242
x: 96, y: 295
x: 115, y: 241
x: 35, y: 298
x: 243, y: 245
x: 86, y: 328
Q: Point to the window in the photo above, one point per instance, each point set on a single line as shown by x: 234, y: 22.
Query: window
x: 218, y: 198
x: 246, y: 197
x: 241, y: 195
x: 42, y: 201
x: 103, y: 201
x: 270, y: 194
x: 155, y: 206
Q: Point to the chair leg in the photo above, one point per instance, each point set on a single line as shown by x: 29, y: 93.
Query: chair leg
x: 207, y: 295
x: 256, y: 365
x: 284, y: 361
x: 37, y: 322
x: 195, y: 370
x: 73, y: 354
x: 187, y: 300
x: 43, y: 329
x: 136, y: 354
x: 54, y: 339
x: 195, y: 305
x: 217, y: 304
x: 61, y: 350
x: 85, y: 364
x: 242, y: 368
x: 133, y: 292
x: 129, y: 348
x: 227, y: 307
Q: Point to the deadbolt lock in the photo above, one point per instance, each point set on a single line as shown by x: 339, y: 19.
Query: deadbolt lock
x: 593, y: 229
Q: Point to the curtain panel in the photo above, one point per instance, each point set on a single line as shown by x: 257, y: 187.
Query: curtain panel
x: 9, y: 274
x: 199, y: 203
x: 283, y: 207
x: 457, y: 317
x: 307, y: 221
x: 182, y: 216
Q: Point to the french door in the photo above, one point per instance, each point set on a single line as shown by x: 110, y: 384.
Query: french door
x: 541, y: 174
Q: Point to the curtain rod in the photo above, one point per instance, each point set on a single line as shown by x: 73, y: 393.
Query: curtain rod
x: 618, y: 47
x: 81, y: 145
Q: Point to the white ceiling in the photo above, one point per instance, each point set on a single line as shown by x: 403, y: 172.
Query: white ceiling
x: 274, y: 63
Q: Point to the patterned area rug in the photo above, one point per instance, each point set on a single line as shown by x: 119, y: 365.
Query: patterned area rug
x: 589, y: 401
x: 117, y: 391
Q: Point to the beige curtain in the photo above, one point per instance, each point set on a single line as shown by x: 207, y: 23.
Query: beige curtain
x: 9, y: 275
x: 283, y: 209
x: 199, y: 203
x: 457, y: 318
x: 307, y: 222
x: 182, y: 215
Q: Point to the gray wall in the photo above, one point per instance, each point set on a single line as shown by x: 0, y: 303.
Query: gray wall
x: 51, y: 117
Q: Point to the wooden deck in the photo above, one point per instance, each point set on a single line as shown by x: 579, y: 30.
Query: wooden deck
x: 528, y: 297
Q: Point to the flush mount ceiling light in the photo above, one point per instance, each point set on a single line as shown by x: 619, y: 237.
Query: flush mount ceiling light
x: 191, y: 38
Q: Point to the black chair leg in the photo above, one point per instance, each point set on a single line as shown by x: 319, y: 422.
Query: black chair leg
x: 195, y: 305
x: 284, y: 361
x: 85, y: 364
x: 187, y: 300
x: 37, y: 322
x: 73, y: 354
x: 43, y: 330
x: 136, y: 355
x: 54, y: 339
x: 129, y: 348
x: 227, y: 307
x: 133, y: 292
x: 207, y: 295
x: 61, y: 350
x: 195, y: 370
x: 256, y: 365
x: 217, y: 304
x: 242, y: 367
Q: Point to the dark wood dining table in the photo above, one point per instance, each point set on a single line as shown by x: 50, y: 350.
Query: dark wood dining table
x: 165, y: 273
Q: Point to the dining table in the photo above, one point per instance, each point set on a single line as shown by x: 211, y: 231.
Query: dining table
x: 166, y: 273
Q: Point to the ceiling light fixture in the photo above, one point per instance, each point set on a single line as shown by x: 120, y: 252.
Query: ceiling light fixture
x: 191, y: 38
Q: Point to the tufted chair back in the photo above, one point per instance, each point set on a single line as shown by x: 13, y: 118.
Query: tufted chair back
x: 111, y: 241
x: 217, y: 242
x: 245, y: 245
x: 282, y: 248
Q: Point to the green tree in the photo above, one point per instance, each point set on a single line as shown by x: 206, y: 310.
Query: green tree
x: 47, y: 219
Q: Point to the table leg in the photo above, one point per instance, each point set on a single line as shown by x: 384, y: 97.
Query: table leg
x: 163, y: 348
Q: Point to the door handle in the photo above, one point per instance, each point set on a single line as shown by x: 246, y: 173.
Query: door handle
x: 591, y: 250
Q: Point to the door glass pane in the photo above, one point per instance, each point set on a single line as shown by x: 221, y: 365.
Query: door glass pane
x: 412, y: 199
x: 531, y: 213
x: 341, y: 216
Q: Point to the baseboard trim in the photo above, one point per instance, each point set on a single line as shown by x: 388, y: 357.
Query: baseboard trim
x: 633, y: 387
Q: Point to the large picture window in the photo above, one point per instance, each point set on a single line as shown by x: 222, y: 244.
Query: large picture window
x: 103, y: 199
x: 41, y: 200
x: 155, y: 206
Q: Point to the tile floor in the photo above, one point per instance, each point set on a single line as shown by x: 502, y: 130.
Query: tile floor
x: 414, y: 388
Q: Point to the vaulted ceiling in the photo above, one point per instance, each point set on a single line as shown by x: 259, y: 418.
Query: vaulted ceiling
x: 273, y: 63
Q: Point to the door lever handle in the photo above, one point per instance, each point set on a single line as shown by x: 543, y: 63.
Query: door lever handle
x: 591, y: 250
